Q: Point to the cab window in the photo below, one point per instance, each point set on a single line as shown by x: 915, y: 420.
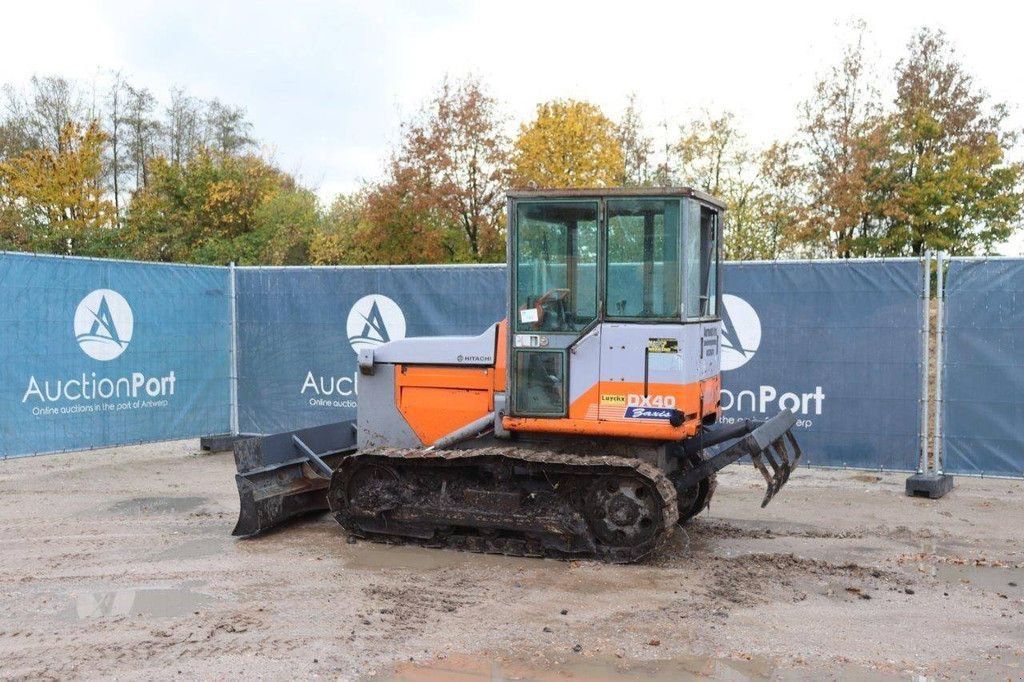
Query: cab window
x: 556, y: 266
x: 643, y: 258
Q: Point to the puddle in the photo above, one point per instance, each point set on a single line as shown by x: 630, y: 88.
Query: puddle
x: 989, y: 578
x: 156, y: 505
x: 196, y: 549
x: 477, y: 669
x: 157, y: 602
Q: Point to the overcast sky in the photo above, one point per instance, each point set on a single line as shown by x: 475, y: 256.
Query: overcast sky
x: 325, y: 84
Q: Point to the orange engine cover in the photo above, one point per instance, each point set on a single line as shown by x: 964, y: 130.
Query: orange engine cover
x: 436, y: 400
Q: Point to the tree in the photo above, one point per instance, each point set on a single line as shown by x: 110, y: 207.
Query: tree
x: 951, y: 186
x: 336, y: 240
x: 783, y: 183
x: 286, y: 221
x: 115, y: 127
x: 57, y: 194
x: 569, y: 144
x: 401, y: 223
x: 843, y: 140
x: 208, y: 211
x: 637, y: 147
x: 229, y: 132
x: 442, y: 197
x: 456, y: 147
x: 141, y: 132
x: 712, y: 155
x: 185, y: 127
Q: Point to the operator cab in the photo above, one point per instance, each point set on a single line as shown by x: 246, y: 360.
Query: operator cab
x: 587, y: 265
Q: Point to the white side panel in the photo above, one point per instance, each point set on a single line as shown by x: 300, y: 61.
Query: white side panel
x: 624, y: 346
x: 584, y: 364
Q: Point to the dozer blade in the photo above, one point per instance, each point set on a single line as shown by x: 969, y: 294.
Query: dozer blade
x: 763, y: 442
x: 286, y: 475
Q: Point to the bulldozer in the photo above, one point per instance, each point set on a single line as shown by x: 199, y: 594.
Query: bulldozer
x: 586, y: 424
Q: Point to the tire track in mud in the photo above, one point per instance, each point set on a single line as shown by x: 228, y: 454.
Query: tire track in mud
x: 409, y: 609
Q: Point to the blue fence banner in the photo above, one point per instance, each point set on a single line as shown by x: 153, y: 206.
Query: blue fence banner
x: 300, y: 329
x: 103, y: 353
x: 839, y: 343
x: 983, y: 379
x: 98, y: 353
x: 836, y: 342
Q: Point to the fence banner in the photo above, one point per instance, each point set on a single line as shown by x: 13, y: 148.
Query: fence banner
x: 837, y: 342
x: 98, y: 353
x: 983, y: 380
x: 299, y: 330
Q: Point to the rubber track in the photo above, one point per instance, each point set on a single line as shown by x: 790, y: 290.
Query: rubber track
x: 591, y: 466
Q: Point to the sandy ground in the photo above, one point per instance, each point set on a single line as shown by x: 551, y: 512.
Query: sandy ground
x: 119, y: 564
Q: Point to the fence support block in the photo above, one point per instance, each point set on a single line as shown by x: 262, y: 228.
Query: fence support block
x: 931, y: 485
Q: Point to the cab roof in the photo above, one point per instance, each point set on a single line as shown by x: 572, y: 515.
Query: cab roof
x: 616, y: 192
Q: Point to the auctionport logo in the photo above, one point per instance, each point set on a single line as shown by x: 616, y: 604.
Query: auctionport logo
x: 741, y: 332
x: 374, y: 320
x: 104, y: 324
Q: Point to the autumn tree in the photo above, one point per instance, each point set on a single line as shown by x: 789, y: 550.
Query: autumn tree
x: 933, y: 171
x: 952, y: 185
x: 843, y: 141
x: 57, y: 193
x: 782, y: 181
x: 218, y: 209
x: 442, y: 199
x: 338, y: 238
x: 713, y: 155
x: 569, y: 144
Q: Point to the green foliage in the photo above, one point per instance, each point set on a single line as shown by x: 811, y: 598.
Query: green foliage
x: 220, y: 208
x: 951, y: 185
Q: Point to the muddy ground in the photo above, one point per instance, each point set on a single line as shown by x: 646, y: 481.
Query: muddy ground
x: 119, y: 564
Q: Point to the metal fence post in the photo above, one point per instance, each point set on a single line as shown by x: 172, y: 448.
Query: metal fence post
x: 234, y: 354
x: 926, y: 269
x: 930, y: 481
x: 940, y: 363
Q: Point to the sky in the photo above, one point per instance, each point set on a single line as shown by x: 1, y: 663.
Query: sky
x: 326, y: 84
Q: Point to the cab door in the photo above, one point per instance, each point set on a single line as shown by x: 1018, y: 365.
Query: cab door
x: 554, y: 295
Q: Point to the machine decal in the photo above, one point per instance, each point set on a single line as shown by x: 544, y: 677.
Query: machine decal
x: 663, y: 345
x: 613, y: 399
x: 635, y: 400
x: 648, y: 413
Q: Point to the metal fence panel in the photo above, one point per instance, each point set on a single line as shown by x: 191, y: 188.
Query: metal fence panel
x: 98, y: 353
x: 837, y: 342
x: 299, y: 330
x: 983, y: 397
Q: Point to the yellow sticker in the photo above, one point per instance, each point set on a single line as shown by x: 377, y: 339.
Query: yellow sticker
x: 612, y: 399
x: 662, y: 345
